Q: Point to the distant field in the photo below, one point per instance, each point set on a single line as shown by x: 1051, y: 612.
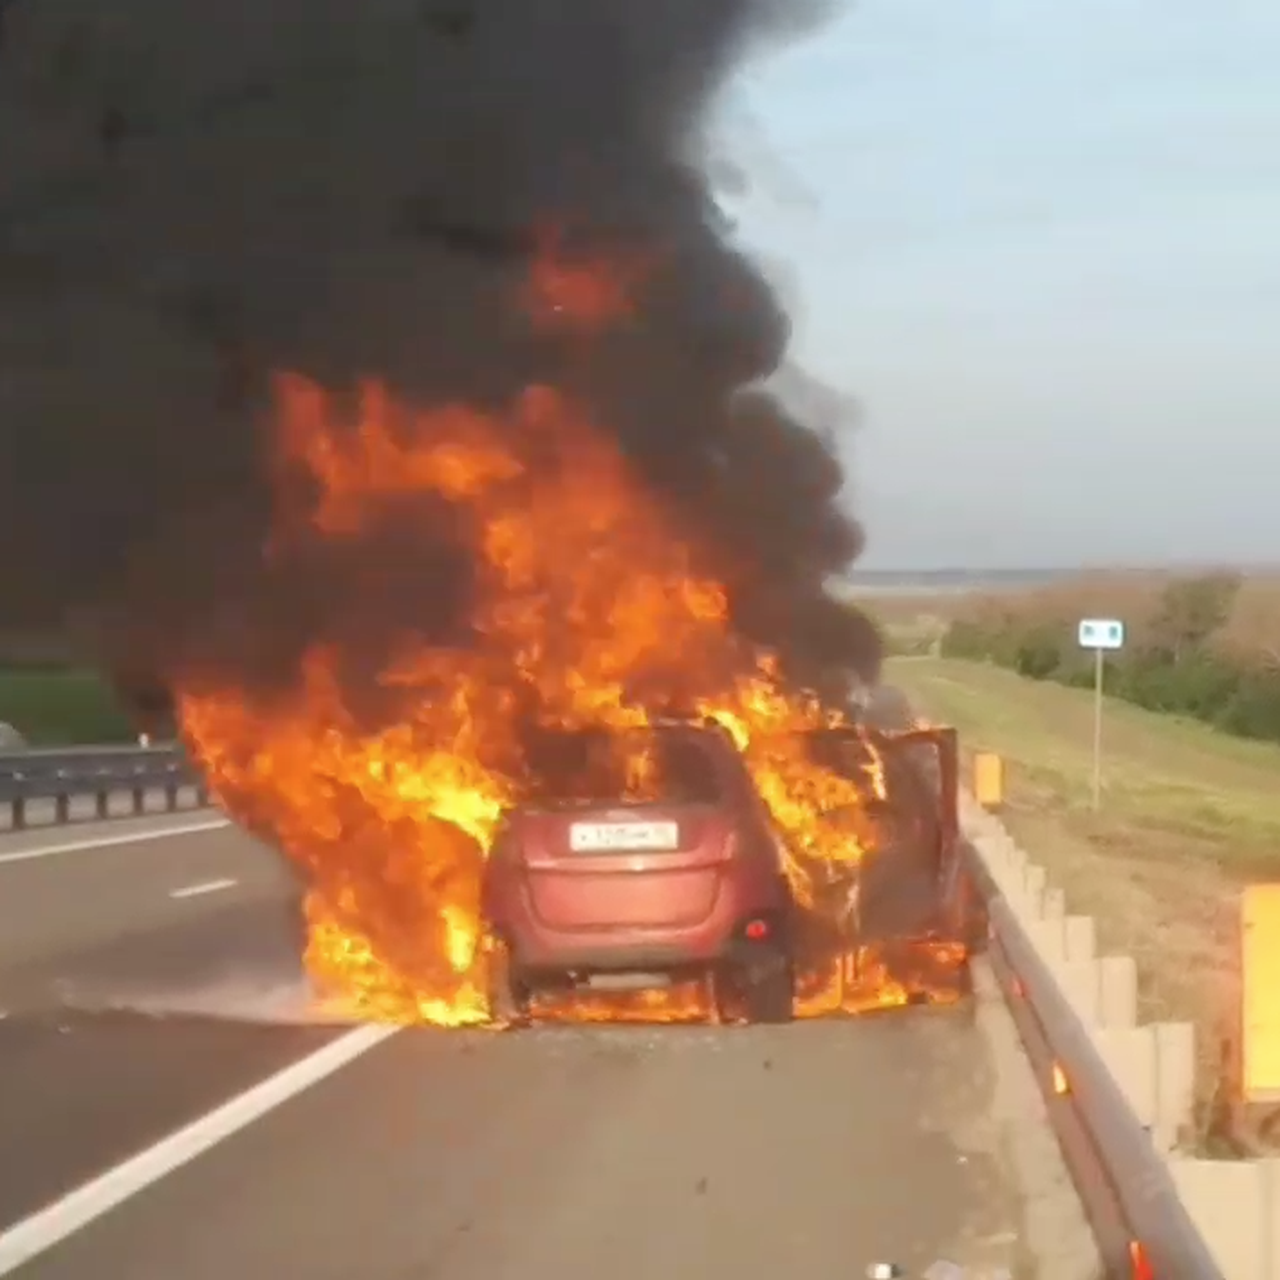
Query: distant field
x: 1188, y: 816
x: 912, y: 622
x: 53, y: 708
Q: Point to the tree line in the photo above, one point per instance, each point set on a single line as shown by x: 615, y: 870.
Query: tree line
x: 1186, y: 651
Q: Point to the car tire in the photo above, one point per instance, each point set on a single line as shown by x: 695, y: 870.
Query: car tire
x: 769, y: 992
x: 508, y: 997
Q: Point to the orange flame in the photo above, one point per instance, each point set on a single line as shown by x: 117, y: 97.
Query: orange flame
x: 588, y: 604
x: 580, y: 293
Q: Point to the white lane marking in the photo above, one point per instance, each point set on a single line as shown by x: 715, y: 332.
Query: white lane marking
x: 53, y: 1224
x: 103, y: 842
x: 205, y: 886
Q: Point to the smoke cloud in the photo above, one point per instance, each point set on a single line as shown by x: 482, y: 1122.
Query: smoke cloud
x: 193, y: 197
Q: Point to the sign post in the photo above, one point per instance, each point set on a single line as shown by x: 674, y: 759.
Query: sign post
x: 1102, y: 635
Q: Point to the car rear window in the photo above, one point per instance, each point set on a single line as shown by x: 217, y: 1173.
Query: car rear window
x: 634, y: 766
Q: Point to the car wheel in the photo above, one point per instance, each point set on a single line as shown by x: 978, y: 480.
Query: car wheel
x: 769, y: 989
x: 508, y: 997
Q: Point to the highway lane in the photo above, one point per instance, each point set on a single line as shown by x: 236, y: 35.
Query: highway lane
x: 562, y: 1152
x: 638, y: 1153
x: 71, y: 890
x: 90, y: 936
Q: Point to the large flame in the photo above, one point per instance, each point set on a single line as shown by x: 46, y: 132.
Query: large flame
x: 587, y: 609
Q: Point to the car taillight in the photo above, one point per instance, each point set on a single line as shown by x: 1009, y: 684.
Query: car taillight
x: 756, y: 930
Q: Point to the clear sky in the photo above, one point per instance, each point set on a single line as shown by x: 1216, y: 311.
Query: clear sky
x: 1040, y: 243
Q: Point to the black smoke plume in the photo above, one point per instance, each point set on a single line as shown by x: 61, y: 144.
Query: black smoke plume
x: 194, y: 195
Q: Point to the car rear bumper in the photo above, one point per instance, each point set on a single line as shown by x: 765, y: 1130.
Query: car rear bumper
x: 568, y: 956
x: 536, y: 947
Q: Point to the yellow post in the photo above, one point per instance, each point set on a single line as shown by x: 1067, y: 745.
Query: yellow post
x: 1260, y: 993
x: 988, y: 779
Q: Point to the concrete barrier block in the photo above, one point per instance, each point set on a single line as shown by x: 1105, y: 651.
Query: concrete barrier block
x: 1049, y: 940
x: 1006, y: 865
x: 997, y: 855
x: 1176, y: 1082
x: 992, y: 852
x: 1081, y: 935
x: 1018, y: 862
x: 1034, y: 883
x: 1078, y: 980
x: 1130, y: 1056
x: 1234, y: 1205
x: 1117, y: 992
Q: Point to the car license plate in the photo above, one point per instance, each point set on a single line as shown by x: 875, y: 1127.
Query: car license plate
x: 604, y: 837
x: 628, y: 981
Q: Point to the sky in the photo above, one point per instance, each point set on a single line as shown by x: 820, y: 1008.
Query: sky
x: 1039, y: 243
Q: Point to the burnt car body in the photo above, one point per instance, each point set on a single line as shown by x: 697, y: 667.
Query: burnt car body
x: 914, y: 815
x: 912, y: 881
x: 644, y: 857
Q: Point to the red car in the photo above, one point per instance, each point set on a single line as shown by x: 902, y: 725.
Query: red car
x: 645, y: 857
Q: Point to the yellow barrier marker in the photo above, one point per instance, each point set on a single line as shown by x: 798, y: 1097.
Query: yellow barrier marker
x: 988, y: 779
x: 1260, y: 992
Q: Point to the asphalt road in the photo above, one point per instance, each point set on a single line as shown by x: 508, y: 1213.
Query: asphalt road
x: 552, y: 1154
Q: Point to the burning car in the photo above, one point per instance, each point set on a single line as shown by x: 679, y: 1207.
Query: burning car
x: 643, y: 858
x: 907, y: 891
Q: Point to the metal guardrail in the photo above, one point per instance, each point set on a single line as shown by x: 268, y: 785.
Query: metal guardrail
x: 62, y: 774
x: 1142, y: 1226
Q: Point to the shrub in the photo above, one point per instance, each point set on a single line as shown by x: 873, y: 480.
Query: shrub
x: 59, y: 708
x: 1176, y: 666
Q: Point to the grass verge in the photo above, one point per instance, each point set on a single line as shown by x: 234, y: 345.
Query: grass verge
x: 62, y: 707
x: 1188, y: 817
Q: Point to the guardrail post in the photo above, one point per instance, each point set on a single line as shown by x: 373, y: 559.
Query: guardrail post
x: 1130, y: 1055
x: 62, y: 807
x: 1117, y: 991
x: 1034, y: 882
x: 1175, y: 1082
x: 139, y: 800
x: 18, y: 816
x: 1235, y: 1205
x: 1080, y: 934
x: 1080, y: 984
x: 101, y: 806
x: 171, y: 795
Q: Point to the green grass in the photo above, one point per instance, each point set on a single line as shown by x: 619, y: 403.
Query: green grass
x: 58, y: 707
x: 1177, y: 776
x: 1188, y: 816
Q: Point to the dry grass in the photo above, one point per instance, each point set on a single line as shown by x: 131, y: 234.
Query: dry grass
x: 1252, y: 630
x: 1188, y: 817
x: 912, y: 623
